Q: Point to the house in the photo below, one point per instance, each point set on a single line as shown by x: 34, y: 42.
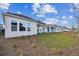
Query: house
x: 41, y: 27
x: 17, y: 25
x: 44, y: 28
x: 57, y: 28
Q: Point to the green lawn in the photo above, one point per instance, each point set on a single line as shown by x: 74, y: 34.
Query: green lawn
x: 57, y: 40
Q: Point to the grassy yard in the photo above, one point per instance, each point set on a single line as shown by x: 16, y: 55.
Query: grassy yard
x: 41, y: 44
x: 57, y: 40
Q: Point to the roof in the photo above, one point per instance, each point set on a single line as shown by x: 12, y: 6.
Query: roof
x: 31, y: 19
x: 23, y: 16
x: 62, y: 27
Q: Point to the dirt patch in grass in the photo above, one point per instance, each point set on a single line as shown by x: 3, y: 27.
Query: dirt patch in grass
x: 40, y: 45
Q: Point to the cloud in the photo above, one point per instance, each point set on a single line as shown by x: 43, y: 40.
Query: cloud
x: 43, y: 9
x: 40, y: 15
x: 56, y: 21
x: 4, y: 6
x: 35, y: 7
x: 63, y: 17
x: 64, y: 22
x: 5, y: 11
x: 18, y: 12
x: 67, y: 17
x: 71, y: 17
x: 48, y: 9
x: 71, y: 10
x: 76, y: 5
x: 51, y: 21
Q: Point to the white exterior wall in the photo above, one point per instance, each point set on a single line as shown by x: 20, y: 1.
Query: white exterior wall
x: 61, y: 29
x: 45, y: 29
x: 50, y: 29
x: 41, y: 28
x: 58, y: 29
x: 10, y: 34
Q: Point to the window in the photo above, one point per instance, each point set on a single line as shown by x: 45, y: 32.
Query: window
x: 52, y: 29
x: 21, y: 27
x: 40, y: 29
x: 13, y: 26
x: 28, y: 27
x: 48, y: 29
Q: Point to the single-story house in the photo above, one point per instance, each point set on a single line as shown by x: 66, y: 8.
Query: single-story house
x: 57, y: 28
x: 17, y: 25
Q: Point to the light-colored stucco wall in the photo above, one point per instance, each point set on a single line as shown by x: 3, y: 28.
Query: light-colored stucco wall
x: 10, y: 34
x: 60, y: 29
x: 40, y: 28
x: 34, y: 27
x: 45, y: 29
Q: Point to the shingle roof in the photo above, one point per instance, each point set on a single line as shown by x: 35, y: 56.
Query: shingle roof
x: 62, y: 27
x: 20, y: 15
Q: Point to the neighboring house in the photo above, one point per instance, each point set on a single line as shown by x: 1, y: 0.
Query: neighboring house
x: 44, y: 28
x: 17, y: 25
x: 66, y: 28
x: 41, y: 27
x: 1, y: 27
x: 57, y: 28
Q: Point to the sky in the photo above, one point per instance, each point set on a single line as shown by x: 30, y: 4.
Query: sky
x: 49, y: 13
